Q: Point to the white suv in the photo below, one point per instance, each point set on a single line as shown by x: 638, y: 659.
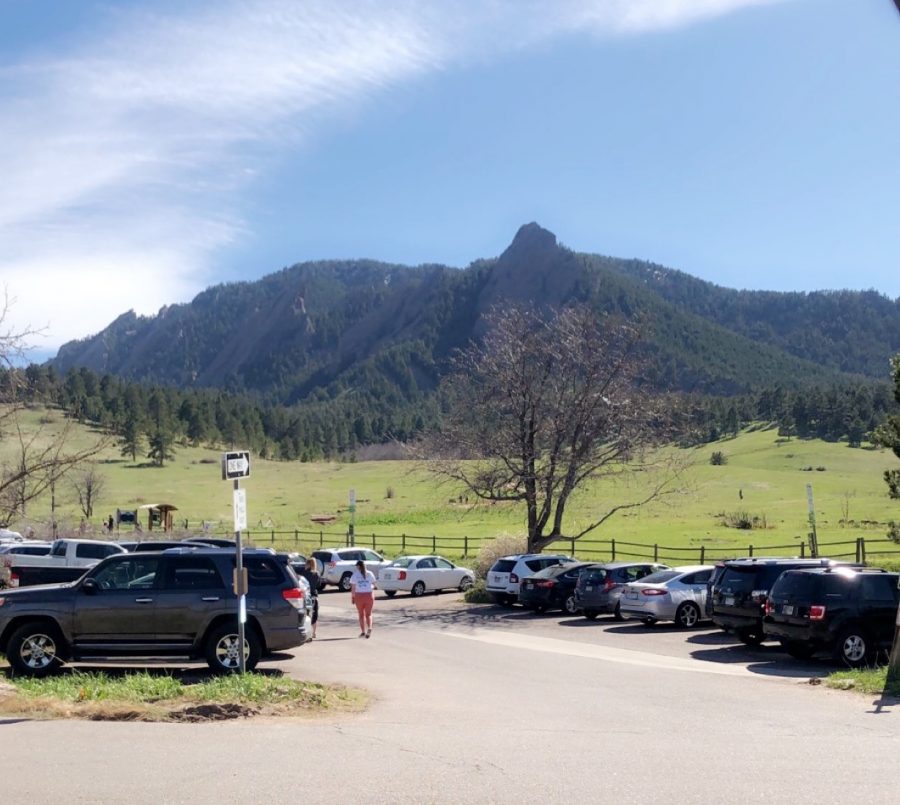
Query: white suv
x: 505, y: 574
x: 336, y: 565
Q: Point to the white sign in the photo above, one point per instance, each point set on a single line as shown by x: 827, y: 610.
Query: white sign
x: 240, y: 509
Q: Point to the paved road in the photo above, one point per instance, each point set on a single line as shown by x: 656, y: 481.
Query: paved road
x: 487, y: 705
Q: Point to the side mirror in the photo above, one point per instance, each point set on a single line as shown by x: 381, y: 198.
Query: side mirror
x: 90, y: 586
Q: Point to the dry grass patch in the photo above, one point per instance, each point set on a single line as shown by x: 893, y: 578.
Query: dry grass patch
x: 146, y: 696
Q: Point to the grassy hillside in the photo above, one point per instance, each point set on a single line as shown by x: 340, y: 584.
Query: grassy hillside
x: 764, y: 477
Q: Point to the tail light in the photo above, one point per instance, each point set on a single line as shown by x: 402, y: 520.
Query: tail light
x: 294, y: 596
x: 513, y: 578
x: 13, y: 579
x: 401, y: 576
x: 651, y: 591
x: 545, y: 584
x: 608, y: 585
x: 332, y: 563
x: 816, y: 612
x: 770, y: 607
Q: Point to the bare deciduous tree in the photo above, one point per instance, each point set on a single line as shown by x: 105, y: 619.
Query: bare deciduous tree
x: 35, y: 458
x: 543, y: 405
x: 88, y: 484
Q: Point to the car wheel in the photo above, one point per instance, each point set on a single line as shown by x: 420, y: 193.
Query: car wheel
x: 798, y: 649
x: 344, y: 583
x: 687, y: 615
x: 749, y: 637
x: 466, y: 584
x: 508, y: 600
x: 648, y: 621
x: 570, y: 605
x: 418, y: 589
x: 591, y: 614
x: 222, y: 649
x: 540, y: 609
x: 390, y: 593
x: 853, y: 647
x: 617, y: 612
x: 34, y: 649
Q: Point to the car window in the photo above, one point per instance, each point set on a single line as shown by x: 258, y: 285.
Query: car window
x: 594, y: 575
x: 738, y: 579
x: 91, y: 550
x: 130, y: 573
x: 503, y: 566
x: 443, y: 564
x: 58, y: 549
x: 699, y: 578
x: 662, y: 576
x: 322, y: 556
x: 192, y: 573
x: 403, y: 561
x: 879, y: 589
x: 371, y: 556
x: 426, y: 564
x: 636, y: 572
x: 263, y: 571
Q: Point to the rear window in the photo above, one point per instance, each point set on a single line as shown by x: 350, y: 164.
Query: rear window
x: 322, y: 556
x: 660, y: 576
x: 797, y: 586
x: 503, y: 566
x: 739, y: 580
x: 594, y: 574
x: 88, y: 550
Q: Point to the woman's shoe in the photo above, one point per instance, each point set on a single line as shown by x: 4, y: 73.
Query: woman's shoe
x: 369, y: 633
x: 362, y: 634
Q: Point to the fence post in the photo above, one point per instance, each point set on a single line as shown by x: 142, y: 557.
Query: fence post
x: 273, y: 536
x: 702, y: 554
x: 373, y: 542
x: 612, y: 544
x: 862, y: 546
x: 803, y: 549
x: 403, y: 543
x: 296, y: 536
x: 572, y: 541
x: 465, y: 544
x: 656, y: 553
x: 749, y: 550
x: 433, y: 543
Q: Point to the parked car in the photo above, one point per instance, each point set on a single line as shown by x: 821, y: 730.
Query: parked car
x: 506, y: 573
x: 600, y: 586
x: 848, y: 612
x: 174, y: 603
x: 552, y: 588
x: 420, y: 574
x: 26, y: 547
x: 67, y: 560
x: 676, y: 595
x: 9, y: 536
x: 739, y: 595
x: 338, y: 565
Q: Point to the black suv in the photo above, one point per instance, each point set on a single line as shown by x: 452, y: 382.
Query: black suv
x: 848, y: 612
x: 740, y: 591
x: 175, y: 603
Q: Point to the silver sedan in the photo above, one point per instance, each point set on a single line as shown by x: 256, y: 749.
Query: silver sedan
x: 676, y: 595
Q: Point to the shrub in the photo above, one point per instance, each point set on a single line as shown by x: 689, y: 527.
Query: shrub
x: 477, y: 594
x: 491, y: 551
x: 744, y: 520
x: 718, y: 458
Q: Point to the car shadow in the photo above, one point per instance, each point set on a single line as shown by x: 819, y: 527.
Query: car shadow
x: 767, y: 660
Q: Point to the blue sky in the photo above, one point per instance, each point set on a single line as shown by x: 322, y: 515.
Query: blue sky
x: 153, y: 149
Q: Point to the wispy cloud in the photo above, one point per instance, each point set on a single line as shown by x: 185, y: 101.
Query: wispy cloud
x: 124, y: 158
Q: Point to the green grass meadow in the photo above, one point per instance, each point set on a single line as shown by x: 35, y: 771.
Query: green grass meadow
x: 765, y: 478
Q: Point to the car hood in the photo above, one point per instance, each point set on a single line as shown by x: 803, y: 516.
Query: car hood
x: 38, y: 592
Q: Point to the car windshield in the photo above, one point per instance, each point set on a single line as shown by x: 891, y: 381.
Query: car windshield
x: 660, y: 577
x: 550, y: 572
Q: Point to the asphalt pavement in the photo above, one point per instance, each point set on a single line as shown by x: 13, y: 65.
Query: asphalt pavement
x: 487, y: 705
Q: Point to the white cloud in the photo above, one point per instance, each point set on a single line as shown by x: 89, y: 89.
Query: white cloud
x: 123, y: 158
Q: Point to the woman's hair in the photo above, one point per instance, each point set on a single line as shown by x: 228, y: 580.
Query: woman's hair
x: 361, y: 565
x: 311, y: 564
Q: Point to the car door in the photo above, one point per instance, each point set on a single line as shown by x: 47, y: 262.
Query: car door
x: 191, y: 594
x: 119, y: 607
x: 426, y: 572
x: 448, y: 574
x: 693, y: 587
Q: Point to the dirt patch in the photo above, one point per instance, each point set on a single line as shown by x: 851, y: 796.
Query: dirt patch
x: 213, y: 712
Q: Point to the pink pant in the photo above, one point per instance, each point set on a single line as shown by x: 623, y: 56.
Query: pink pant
x: 364, y: 602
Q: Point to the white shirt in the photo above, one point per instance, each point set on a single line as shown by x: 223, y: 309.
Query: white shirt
x: 361, y: 583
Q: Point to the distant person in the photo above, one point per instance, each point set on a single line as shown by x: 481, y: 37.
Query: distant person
x: 362, y: 593
x: 311, y: 574
x: 109, y: 524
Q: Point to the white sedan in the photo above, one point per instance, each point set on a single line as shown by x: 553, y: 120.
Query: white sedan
x: 420, y: 574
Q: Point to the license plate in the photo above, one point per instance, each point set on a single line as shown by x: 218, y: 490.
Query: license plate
x: 631, y: 595
x: 588, y: 588
x: 729, y: 600
x: 528, y: 585
x: 787, y: 609
x: 497, y: 579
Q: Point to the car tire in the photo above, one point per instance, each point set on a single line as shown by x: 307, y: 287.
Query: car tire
x: 648, y: 621
x: 221, y: 649
x: 591, y: 614
x: 390, y: 593
x: 570, y: 605
x: 617, y: 612
x: 466, y: 583
x: 687, y: 615
x: 798, y: 649
x: 344, y: 583
x: 540, y: 609
x: 749, y: 637
x: 418, y: 589
x: 34, y: 649
x: 508, y: 600
x: 853, y: 647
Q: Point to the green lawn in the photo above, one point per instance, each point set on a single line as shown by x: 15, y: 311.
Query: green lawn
x: 764, y: 477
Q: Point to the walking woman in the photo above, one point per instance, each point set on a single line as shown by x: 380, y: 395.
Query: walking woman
x: 362, y: 593
x: 311, y: 574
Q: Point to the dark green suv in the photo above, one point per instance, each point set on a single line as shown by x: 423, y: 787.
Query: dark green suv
x: 174, y: 603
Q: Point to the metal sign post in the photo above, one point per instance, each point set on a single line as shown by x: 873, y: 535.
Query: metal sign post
x: 813, y: 537
x: 352, y: 534
x: 234, y: 467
